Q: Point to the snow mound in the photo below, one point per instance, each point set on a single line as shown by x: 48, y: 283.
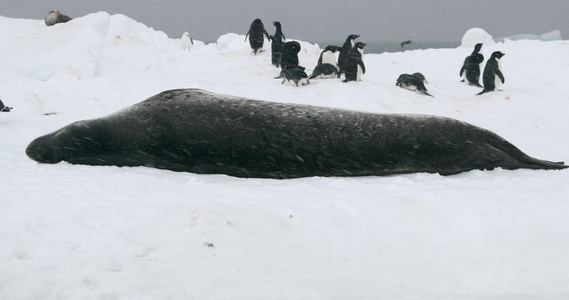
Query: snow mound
x: 73, y: 47
x: 474, y: 36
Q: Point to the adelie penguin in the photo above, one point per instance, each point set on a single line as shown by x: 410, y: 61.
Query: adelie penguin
x: 354, y: 65
x: 255, y: 35
x: 328, y: 56
x: 413, y: 82
x: 278, y: 40
x: 4, y: 108
x: 346, y: 48
x: 492, y: 76
x: 472, y: 66
x: 326, y: 66
x: 296, y: 76
x: 325, y: 71
x: 289, y: 57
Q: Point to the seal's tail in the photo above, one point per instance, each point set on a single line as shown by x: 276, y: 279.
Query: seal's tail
x: 524, y: 160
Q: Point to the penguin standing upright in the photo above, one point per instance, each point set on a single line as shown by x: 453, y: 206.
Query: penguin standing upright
x: 255, y: 34
x: 354, y: 65
x: 289, y: 56
x: 471, y: 68
x: 186, y: 42
x: 327, y: 66
x: 492, y: 76
x: 346, y: 48
x: 277, y: 44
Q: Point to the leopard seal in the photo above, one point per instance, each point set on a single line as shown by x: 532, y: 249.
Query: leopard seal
x: 197, y: 131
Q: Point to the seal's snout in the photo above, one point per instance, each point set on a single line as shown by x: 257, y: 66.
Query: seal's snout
x: 39, y: 152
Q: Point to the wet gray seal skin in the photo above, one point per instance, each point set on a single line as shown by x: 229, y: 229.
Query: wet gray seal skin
x: 55, y: 17
x: 202, y: 132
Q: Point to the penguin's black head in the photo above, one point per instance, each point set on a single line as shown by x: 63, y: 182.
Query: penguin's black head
x: 419, y: 76
x: 332, y: 48
x: 295, y: 46
x: 359, y: 45
x: 257, y: 22
x: 277, y: 24
x: 352, y: 37
x: 477, y: 47
x: 498, y: 54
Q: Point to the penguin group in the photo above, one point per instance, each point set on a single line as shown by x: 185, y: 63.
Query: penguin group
x: 350, y: 62
x: 492, y: 77
x: 284, y: 55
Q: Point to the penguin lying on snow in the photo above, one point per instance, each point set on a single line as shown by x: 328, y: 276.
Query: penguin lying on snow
x: 296, y: 76
x: 327, y: 55
x: 353, y: 64
x: 471, y: 67
x: 289, y: 57
x: 4, y: 108
x: 186, y: 42
x: 277, y: 44
x: 255, y: 35
x: 327, y: 67
x: 493, y: 77
x: 413, y: 82
x: 325, y: 71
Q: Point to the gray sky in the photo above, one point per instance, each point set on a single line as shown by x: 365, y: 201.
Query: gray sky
x: 322, y: 21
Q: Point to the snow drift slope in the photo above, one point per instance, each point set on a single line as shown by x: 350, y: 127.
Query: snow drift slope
x: 82, y: 232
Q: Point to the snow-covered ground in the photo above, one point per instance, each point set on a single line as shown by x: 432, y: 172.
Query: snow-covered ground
x: 84, y: 232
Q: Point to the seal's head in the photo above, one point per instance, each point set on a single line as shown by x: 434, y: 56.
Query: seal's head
x: 51, y: 18
x: 63, y: 144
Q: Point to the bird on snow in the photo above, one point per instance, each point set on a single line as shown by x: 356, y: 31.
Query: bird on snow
x: 186, y: 41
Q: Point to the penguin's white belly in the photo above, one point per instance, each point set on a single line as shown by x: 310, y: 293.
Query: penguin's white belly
x: 410, y: 87
x: 302, y: 81
x: 327, y: 76
x: 497, y: 80
x: 329, y: 58
x: 359, y: 73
